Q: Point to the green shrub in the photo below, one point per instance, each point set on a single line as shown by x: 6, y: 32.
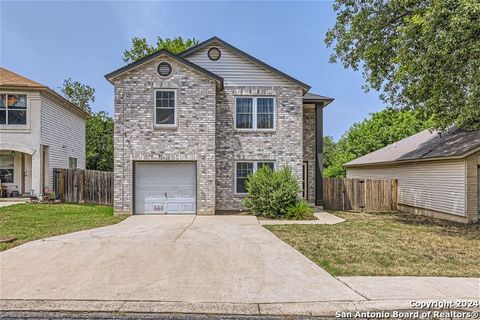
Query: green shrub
x: 300, y: 211
x: 271, y: 193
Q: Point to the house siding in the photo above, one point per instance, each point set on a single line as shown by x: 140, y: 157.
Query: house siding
x: 237, y: 70
x: 136, y: 138
x: 284, y: 145
x: 64, y: 134
x: 434, y: 185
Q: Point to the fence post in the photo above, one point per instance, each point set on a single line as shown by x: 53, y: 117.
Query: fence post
x: 62, y: 185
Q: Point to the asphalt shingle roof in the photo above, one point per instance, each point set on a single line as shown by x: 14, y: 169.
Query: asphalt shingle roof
x: 11, y: 79
x: 313, y: 96
x: 426, y: 144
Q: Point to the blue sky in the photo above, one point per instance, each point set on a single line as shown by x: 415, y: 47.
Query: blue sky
x: 51, y: 41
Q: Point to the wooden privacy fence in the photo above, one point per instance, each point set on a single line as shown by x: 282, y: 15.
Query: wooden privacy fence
x: 371, y: 195
x: 83, y: 186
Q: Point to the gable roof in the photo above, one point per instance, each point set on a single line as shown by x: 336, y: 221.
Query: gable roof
x: 425, y: 145
x: 163, y: 52
x: 215, y: 39
x: 12, y: 80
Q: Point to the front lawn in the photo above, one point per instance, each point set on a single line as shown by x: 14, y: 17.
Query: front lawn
x: 27, y: 222
x: 388, y: 244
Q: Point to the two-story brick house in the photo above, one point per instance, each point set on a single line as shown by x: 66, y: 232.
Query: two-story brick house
x: 189, y: 128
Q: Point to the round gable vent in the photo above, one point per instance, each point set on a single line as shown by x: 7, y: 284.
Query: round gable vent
x: 164, y: 69
x: 214, y: 53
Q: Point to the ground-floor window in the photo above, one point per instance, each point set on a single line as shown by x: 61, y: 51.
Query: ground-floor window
x: 244, y: 168
x: 6, y: 168
x: 72, y: 163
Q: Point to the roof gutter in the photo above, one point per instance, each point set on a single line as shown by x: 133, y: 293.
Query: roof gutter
x: 374, y: 164
x: 326, y: 101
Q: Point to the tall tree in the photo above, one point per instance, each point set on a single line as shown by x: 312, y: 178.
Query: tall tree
x: 329, y: 146
x: 81, y: 95
x: 140, y: 47
x: 99, y: 136
x: 381, y: 129
x: 99, y: 127
x: 421, y: 54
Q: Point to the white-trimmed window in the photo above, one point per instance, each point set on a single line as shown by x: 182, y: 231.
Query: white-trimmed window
x: 13, y: 109
x: 165, y: 108
x: 6, y: 168
x: 244, y: 168
x: 255, y: 113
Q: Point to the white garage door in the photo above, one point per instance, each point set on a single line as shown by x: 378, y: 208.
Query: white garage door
x: 165, y: 188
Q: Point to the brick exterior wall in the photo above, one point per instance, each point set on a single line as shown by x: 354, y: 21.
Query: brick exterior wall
x: 284, y: 146
x: 136, y: 138
x: 309, y: 148
x: 472, y: 163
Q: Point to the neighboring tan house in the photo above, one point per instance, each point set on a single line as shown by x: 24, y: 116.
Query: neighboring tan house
x: 39, y: 130
x: 438, y: 173
x: 189, y: 128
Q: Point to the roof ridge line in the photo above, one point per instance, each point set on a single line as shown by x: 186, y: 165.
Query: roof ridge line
x: 158, y: 53
x: 201, y: 45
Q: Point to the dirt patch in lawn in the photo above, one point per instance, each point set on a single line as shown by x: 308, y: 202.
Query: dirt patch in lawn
x: 388, y: 244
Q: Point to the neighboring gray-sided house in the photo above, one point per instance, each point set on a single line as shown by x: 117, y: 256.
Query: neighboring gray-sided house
x: 39, y: 130
x: 438, y: 173
x: 189, y: 128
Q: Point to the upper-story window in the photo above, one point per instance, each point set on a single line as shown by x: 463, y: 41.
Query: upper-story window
x: 257, y: 113
x: 13, y: 109
x: 165, y: 107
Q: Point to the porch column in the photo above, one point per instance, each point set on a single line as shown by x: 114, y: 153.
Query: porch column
x: 319, y: 154
x: 37, y: 172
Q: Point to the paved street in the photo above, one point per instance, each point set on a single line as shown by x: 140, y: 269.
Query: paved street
x: 136, y: 316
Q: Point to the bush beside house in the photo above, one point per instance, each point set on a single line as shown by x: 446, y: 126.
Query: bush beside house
x: 275, y: 194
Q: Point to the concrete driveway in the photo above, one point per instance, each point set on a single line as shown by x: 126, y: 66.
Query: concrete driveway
x: 229, y: 259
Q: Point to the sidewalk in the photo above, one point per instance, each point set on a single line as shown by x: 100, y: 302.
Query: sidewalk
x: 414, y: 288
x: 380, y: 294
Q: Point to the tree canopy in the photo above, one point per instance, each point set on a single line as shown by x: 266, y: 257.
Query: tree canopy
x: 140, y: 47
x: 381, y: 129
x: 99, y: 127
x: 329, y: 147
x: 99, y: 142
x: 419, y: 54
x: 81, y: 95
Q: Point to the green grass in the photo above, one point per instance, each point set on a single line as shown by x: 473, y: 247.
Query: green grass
x: 388, y: 244
x: 28, y: 222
